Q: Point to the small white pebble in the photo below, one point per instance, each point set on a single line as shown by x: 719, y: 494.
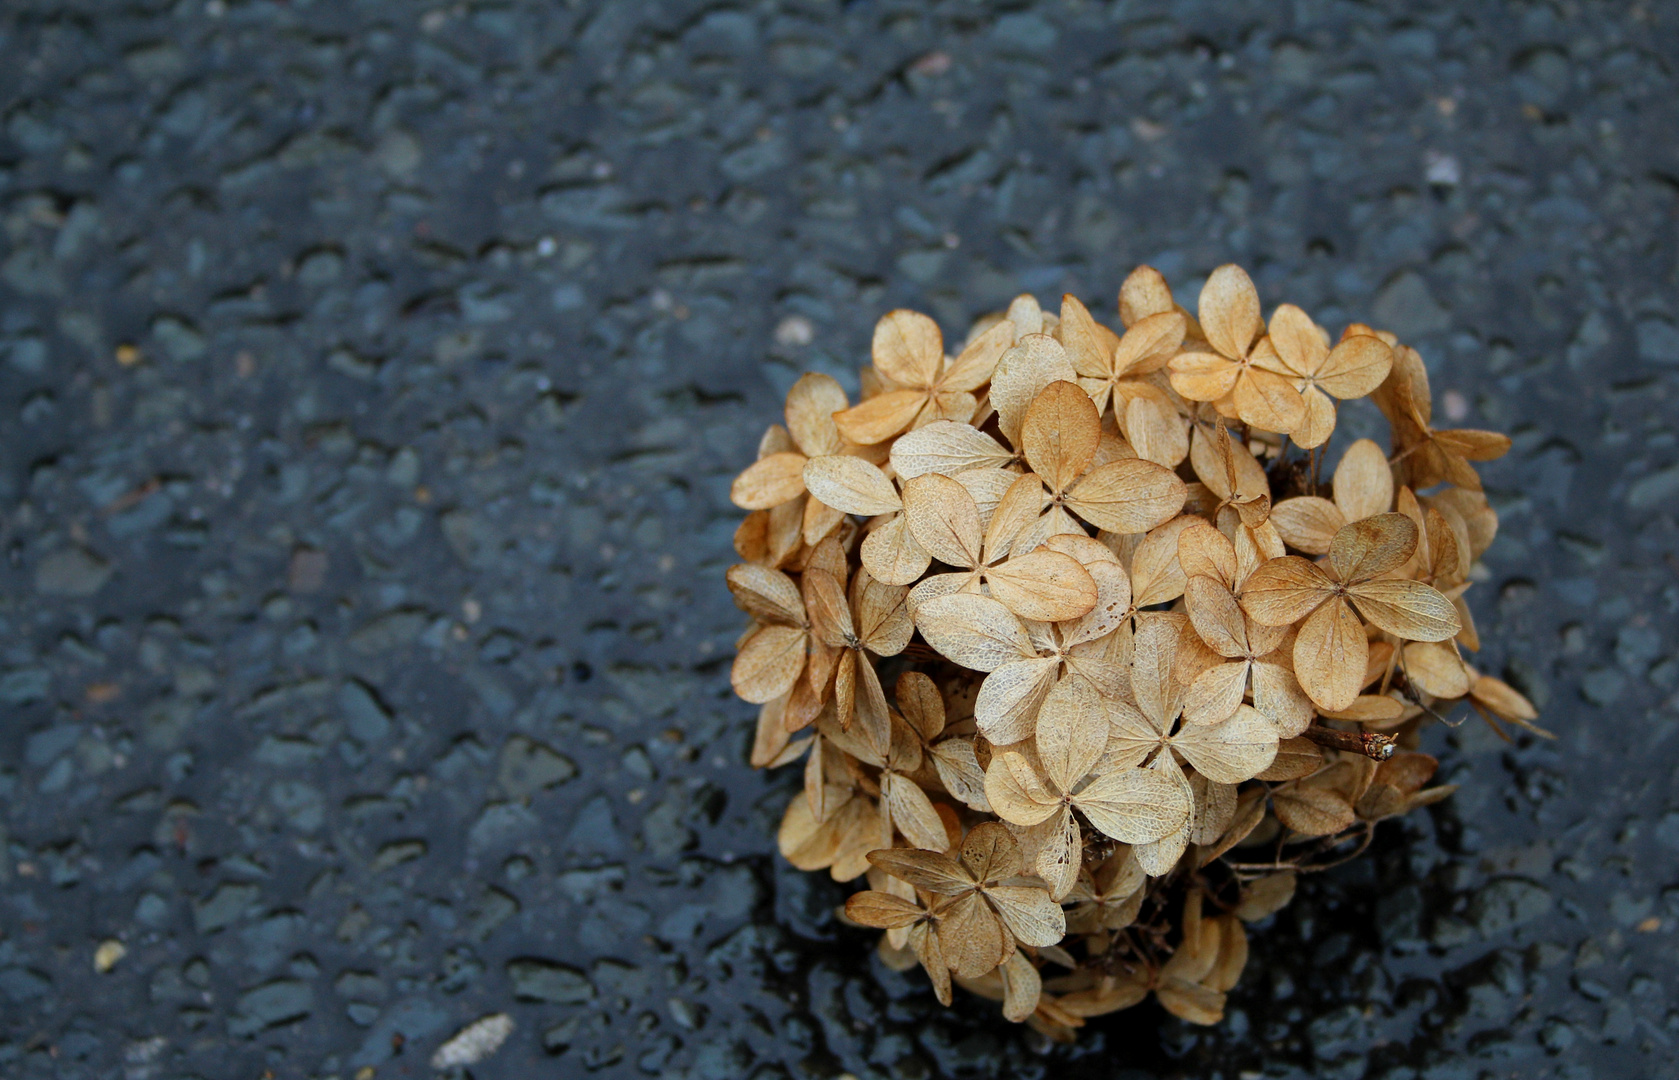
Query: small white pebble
x: 795, y: 330
x: 106, y: 956
x: 475, y: 1042
x: 1442, y: 169
x: 1455, y: 404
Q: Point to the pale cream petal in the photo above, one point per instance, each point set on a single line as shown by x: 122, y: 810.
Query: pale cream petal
x: 1154, y: 654
x: 1072, y: 731
x: 987, y: 488
x: 1113, y: 602
x: 1035, y: 361
x: 1231, y: 751
x: 974, y: 631
x: 1137, y: 806
x: 1213, y: 807
x: 958, y: 767
x: 1015, y: 518
x: 944, y: 446
x: 944, y: 519
x: 851, y: 484
x: 1006, y: 709
x: 1055, y: 850
x: 1277, y: 694
x: 1215, y: 695
x: 883, y: 622
x: 891, y: 553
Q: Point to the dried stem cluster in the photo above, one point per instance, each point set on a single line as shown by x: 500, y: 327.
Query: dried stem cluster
x: 1145, y: 666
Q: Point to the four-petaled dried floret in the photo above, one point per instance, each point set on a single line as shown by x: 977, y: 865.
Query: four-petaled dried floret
x: 1146, y: 666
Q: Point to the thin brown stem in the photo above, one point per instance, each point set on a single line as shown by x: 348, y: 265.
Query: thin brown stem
x: 1371, y: 745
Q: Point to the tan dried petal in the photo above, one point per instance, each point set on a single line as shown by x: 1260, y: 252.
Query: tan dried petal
x: 933, y: 871
x: 944, y: 519
x: 1031, y: 916
x: 1022, y: 988
x: 1060, y: 434
x: 879, y: 418
x: 1266, y: 896
x: 1329, y: 656
x: 1436, y: 670
x: 811, y: 405
x: 1035, y: 361
x: 769, y: 482
x: 1311, y: 810
x: 1229, y: 311
x: 768, y: 663
x: 1046, y: 586
x: 1268, y: 401
x: 1372, y: 547
x: 1308, y: 523
x: 1284, y: 591
x: 882, y: 911
x: 974, y: 631
x: 1215, y: 614
x: 912, y: 812
x: 1231, y: 751
x: 1355, y: 367
x: 1007, y: 706
x: 1136, y: 806
x: 891, y: 553
x: 1296, y: 757
x: 1407, y: 609
x: 972, y: 369
x: 908, y: 348
x: 1144, y: 293
x: 765, y: 594
x: 1131, y: 496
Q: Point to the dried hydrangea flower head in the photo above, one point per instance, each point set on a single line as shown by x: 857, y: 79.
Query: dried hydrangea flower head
x: 1146, y: 668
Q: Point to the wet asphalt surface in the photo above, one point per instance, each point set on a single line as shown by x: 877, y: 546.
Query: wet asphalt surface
x: 372, y: 381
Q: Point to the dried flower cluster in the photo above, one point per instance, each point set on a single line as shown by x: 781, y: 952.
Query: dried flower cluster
x: 1144, y: 667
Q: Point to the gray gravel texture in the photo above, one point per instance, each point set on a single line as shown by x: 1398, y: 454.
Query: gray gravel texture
x: 365, y: 640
